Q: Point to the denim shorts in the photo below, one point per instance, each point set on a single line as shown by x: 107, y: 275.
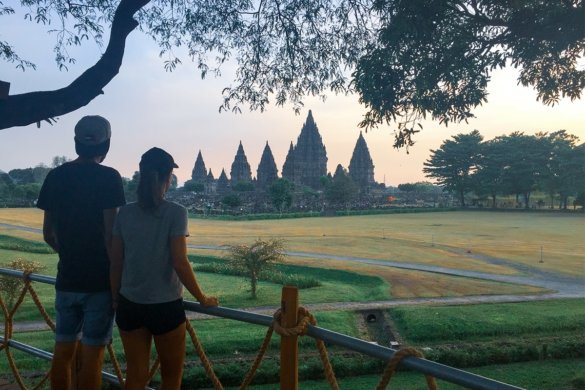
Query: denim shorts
x: 84, y: 316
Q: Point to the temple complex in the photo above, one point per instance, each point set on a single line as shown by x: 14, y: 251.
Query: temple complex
x: 305, y: 165
x: 267, y: 171
x: 306, y: 162
x: 240, y: 168
x: 361, y: 167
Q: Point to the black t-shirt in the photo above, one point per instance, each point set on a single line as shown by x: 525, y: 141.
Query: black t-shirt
x: 76, y: 194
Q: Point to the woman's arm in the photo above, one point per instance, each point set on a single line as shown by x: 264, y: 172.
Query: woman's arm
x: 185, y: 272
x: 116, y: 266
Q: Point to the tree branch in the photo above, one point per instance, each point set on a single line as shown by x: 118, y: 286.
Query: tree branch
x: 25, y: 109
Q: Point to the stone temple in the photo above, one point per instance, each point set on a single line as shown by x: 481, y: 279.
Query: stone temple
x: 240, y: 167
x: 305, y: 165
x: 306, y: 161
x: 267, y: 171
x: 361, y: 166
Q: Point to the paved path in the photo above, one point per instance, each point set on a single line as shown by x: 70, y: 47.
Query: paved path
x: 559, y: 285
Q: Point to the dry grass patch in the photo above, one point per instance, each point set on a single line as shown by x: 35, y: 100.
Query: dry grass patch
x: 417, y: 284
x: 432, y: 238
x: 442, y: 239
x: 21, y: 234
x: 30, y: 217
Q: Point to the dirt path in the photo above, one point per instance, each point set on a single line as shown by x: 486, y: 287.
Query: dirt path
x: 561, y: 286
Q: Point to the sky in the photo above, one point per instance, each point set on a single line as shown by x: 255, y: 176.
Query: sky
x: 179, y: 112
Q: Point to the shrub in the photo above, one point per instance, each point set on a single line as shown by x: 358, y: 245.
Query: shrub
x: 12, y: 286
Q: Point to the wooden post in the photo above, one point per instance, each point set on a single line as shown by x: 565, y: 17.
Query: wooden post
x: 289, y: 348
x: 4, y: 89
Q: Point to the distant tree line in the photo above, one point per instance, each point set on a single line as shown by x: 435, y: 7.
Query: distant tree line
x: 515, y: 164
x: 20, y: 187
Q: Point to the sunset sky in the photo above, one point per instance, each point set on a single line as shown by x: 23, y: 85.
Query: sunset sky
x: 179, y: 112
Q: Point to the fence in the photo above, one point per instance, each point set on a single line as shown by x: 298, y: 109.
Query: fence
x: 288, y: 352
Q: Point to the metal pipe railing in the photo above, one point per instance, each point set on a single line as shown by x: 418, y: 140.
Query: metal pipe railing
x: 36, y: 352
x: 440, y: 371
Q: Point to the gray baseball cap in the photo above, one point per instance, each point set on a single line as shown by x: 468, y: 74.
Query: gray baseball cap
x: 92, y: 130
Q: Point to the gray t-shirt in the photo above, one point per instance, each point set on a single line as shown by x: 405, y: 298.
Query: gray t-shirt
x: 148, y: 275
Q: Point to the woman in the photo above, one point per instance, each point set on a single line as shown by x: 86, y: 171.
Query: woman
x: 149, y: 267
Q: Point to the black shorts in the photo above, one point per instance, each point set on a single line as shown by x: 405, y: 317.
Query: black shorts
x: 158, y: 318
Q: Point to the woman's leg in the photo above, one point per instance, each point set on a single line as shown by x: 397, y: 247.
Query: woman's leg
x: 137, y: 350
x: 171, y: 352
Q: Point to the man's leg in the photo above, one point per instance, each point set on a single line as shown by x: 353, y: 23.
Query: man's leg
x: 98, y: 317
x: 61, y: 365
x: 68, y: 331
x: 89, y: 374
x: 171, y: 352
x: 137, y: 350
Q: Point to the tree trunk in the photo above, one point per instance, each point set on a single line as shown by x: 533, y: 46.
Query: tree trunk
x: 34, y: 107
x: 462, y: 198
x: 526, y: 200
x: 494, y: 201
x: 254, y: 283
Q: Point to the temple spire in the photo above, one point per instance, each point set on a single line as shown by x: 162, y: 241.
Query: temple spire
x: 267, y: 171
x: 240, y: 167
x: 361, y: 166
x: 199, y: 172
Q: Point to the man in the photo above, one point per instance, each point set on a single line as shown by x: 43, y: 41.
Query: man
x: 80, y: 200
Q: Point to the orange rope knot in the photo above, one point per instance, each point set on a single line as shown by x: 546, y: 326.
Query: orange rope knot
x: 393, y: 364
x: 304, y: 318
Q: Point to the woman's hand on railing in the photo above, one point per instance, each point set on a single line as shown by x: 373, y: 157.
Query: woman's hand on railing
x: 209, y: 301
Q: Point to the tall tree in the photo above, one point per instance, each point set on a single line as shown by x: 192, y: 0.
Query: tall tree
x: 284, y: 50
x: 454, y: 163
x: 560, y: 173
x: 488, y: 179
x: 524, y: 158
x: 341, y: 190
x: 411, y: 57
x: 281, y: 194
x: 435, y: 57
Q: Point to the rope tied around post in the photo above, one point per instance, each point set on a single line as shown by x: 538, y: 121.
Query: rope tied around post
x: 395, y: 361
x: 305, y: 318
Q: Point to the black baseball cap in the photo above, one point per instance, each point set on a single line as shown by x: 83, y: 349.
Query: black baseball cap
x: 156, y: 158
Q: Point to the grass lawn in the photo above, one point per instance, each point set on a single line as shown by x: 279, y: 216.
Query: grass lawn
x: 450, y: 324
x: 228, y: 341
x: 442, y: 238
x: 544, y: 375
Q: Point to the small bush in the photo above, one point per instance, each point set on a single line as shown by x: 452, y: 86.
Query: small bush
x: 12, y: 286
x: 275, y: 276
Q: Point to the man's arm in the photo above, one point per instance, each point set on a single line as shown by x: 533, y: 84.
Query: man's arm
x: 109, y: 218
x: 49, y: 232
x: 116, y: 267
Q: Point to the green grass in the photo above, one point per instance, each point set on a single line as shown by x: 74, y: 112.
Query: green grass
x: 336, y: 286
x: 446, y: 324
x: 233, y: 291
x: 23, y: 245
x: 545, y: 375
x: 237, y: 337
x: 278, y: 274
